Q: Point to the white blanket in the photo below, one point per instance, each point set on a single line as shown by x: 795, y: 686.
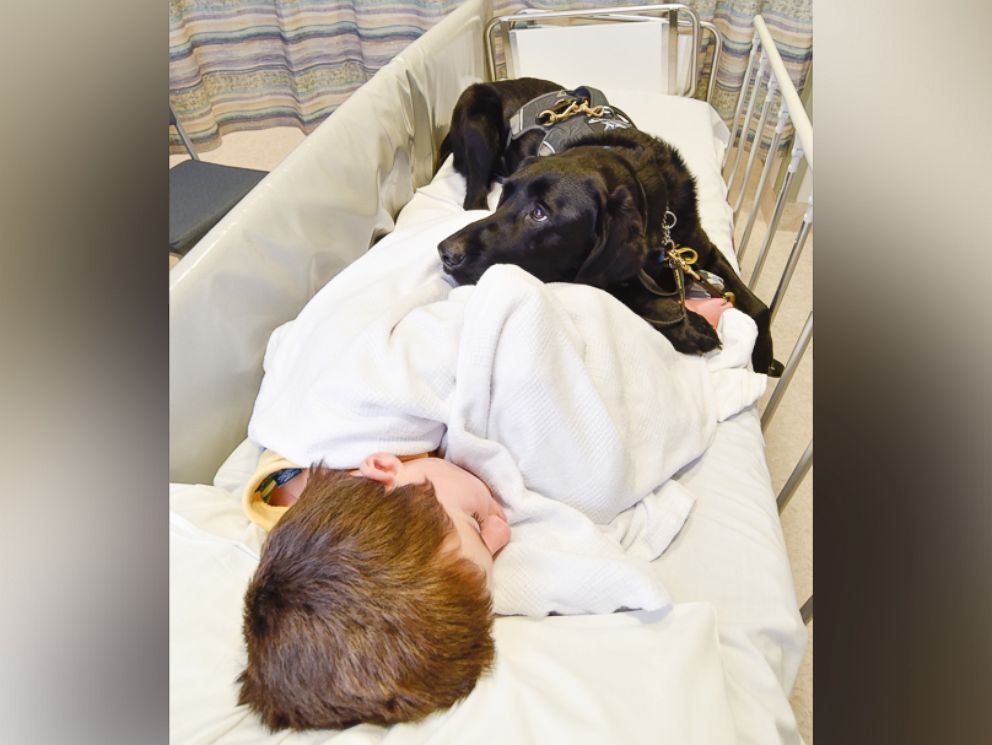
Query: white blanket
x: 575, y: 411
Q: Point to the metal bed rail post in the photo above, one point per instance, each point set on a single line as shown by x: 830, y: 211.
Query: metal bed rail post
x: 673, y: 50
x: 742, y: 140
x: 717, y: 54
x: 771, y: 88
x: 770, y: 58
x: 790, y: 266
x: 797, y: 475
x: 797, y: 154
x: 802, y: 148
x: 805, y: 461
x: 790, y: 369
x: 755, y: 43
x: 800, y: 121
x: 783, y: 115
x: 802, y: 140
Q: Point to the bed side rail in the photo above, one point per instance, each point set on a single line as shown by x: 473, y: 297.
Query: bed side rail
x: 766, y: 72
x: 683, y: 49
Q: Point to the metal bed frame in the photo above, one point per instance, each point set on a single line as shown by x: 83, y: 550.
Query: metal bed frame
x: 765, y: 71
x: 629, y: 13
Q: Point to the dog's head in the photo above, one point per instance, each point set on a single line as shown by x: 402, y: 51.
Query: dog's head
x: 578, y: 216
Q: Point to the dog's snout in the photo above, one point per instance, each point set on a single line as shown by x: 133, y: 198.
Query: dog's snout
x: 451, y: 254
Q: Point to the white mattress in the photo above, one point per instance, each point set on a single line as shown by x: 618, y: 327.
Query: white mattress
x: 716, y: 668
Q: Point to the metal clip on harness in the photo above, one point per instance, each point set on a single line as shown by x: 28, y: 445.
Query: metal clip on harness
x: 680, y: 260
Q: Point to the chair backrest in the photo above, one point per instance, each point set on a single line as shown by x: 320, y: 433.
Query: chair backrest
x: 174, y: 122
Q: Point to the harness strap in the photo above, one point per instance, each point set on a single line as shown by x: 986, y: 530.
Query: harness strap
x: 680, y: 260
x: 560, y: 129
x: 655, y: 289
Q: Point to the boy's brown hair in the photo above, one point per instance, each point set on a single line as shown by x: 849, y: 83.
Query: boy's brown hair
x: 358, y: 612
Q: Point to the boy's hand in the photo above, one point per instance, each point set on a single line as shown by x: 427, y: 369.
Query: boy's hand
x: 494, y: 529
x: 710, y: 308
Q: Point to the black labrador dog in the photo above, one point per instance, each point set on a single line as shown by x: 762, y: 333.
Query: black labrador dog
x: 593, y: 213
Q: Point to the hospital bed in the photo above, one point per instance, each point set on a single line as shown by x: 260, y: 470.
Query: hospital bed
x: 715, y: 667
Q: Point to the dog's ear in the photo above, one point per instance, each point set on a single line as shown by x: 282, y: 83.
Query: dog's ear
x: 621, y: 248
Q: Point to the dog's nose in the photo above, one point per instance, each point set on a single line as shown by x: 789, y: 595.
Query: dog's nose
x: 451, y: 255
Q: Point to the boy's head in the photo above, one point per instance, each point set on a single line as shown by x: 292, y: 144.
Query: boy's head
x: 371, y: 602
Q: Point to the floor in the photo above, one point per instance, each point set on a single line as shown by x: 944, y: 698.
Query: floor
x: 787, y: 434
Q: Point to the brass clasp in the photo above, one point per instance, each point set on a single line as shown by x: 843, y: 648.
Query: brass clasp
x: 683, y: 257
x: 550, y: 116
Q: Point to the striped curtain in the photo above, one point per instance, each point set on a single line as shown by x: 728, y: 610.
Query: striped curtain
x: 252, y: 64
x: 790, y: 23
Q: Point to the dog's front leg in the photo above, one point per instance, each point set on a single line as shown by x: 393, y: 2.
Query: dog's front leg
x: 481, y: 154
x: 746, y: 301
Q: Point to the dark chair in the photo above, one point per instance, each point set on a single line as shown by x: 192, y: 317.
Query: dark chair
x: 201, y: 193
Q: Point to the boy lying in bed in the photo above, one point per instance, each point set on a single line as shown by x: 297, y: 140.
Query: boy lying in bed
x: 372, y: 601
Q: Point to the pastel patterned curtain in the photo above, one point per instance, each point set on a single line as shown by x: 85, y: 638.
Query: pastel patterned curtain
x: 252, y: 64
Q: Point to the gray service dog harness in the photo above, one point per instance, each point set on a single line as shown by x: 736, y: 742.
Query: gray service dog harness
x: 557, y: 114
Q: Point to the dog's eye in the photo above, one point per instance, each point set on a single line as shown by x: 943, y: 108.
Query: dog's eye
x: 538, y: 214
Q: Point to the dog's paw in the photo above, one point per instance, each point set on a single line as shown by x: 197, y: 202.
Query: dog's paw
x: 478, y: 200
x: 762, y: 360
x: 694, y: 335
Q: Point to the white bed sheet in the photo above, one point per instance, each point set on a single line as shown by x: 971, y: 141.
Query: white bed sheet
x: 717, y: 668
